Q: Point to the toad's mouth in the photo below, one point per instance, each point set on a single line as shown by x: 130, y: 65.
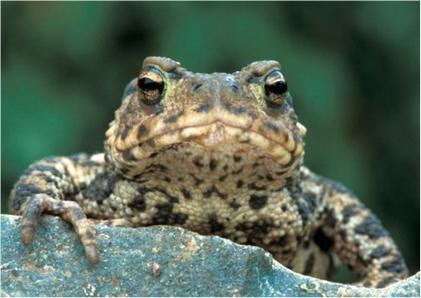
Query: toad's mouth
x: 156, y: 134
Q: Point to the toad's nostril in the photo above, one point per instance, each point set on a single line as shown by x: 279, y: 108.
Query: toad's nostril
x: 197, y: 87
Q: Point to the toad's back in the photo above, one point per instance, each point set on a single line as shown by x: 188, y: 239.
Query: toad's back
x: 218, y: 154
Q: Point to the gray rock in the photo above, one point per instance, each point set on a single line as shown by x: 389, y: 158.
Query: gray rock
x: 154, y: 261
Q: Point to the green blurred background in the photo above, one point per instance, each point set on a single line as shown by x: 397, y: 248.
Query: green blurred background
x: 352, y: 68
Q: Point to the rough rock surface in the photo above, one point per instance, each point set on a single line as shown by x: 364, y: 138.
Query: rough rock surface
x: 154, y: 261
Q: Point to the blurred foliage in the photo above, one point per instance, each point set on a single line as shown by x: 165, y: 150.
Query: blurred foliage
x: 353, y: 69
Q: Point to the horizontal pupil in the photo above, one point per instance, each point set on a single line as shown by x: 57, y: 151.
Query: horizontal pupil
x: 279, y: 87
x: 147, y: 84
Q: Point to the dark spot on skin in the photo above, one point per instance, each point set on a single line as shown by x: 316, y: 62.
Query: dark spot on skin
x: 179, y: 218
x: 170, y: 198
x: 379, y: 251
x: 101, y: 187
x: 124, y: 170
x: 292, y: 116
x: 215, y: 225
x: 240, y: 183
x: 303, y: 210
x: 223, y: 177
x: 151, y: 143
x: 212, y: 164
x: 291, y: 161
x: 235, y: 110
x: 371, y: 227
x: 50, y: 179
x: 197, y: 181
x: 362, y: 261
x: 239, y: 110
x: 252, y: 115
x: 225, y: 168
x: 138, y: 203
x: 305, y: 202
x: 45, y: 169
x: 271, y: 126
x: 236, y: 172
x: 207, y: 194
x: 165, y: 215
x: 222, y: 195
x: 322, y: 241
x: 198, y: 161
x: 186, y: 194
x: 280, y: 173
x: 125, y: 132
x: 269, y: 177
x: 385, y: 282
x: 128, y: 155
x: 257, y: 201
x: 253, y: 186
x: 255, y: 231
x: 394, y: 266
x: 343, y: 235
x: 167, y: 179
x: 366, y: 284
x: 142, y: 130
x: 234, y: 204
x: 173, y: 118
x: 234, y: 88
x: 254, y: 78
x: 284, y: 207
x: 311, y: 201
x: 203, y: 108
x: 227, y: 106
x: 237, y: 158
x: 348, y: 212
x: 309, y: 265
x: 155, y: 168
x: 282, y: 240
x: 286, y: 137
x: 153, y: 155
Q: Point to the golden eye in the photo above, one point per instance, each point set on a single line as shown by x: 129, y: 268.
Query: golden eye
x: 276, y: 87
x: 151, y: 86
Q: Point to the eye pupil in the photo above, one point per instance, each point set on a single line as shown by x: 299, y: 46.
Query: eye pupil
x: 147, y: 84
x: 279, y: 87
x: 151, y: 86
x: 276, y: 88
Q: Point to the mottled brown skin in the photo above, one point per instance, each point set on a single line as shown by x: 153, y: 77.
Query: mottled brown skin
x: 218, y: 154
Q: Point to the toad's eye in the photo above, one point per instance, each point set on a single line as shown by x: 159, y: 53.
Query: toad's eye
x: 151, y: 86
x: 276, y: 87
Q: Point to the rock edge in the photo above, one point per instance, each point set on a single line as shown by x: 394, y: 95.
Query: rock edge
x: 155, y: 261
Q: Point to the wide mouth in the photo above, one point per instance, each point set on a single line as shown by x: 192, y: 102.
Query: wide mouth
x: 283, y: 145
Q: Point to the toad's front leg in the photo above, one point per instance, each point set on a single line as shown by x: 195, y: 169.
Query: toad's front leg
x: 49, y: 187
x: 360, y: 240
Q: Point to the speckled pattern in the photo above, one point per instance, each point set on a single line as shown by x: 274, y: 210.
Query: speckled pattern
x: 157, y: 261
x: 218, y: 154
